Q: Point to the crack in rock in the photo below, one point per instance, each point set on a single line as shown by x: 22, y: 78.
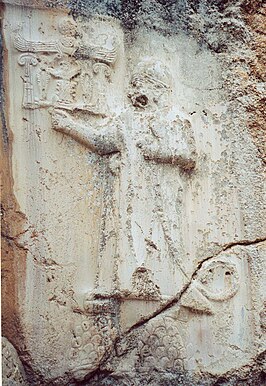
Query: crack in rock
x: 175, y: 300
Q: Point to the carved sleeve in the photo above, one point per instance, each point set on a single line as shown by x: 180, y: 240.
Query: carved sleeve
x: 102, y: 139
x: 173, y: 145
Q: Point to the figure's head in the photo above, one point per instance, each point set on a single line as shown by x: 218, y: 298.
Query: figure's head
x: 150, y: 85
x: 67, y: 27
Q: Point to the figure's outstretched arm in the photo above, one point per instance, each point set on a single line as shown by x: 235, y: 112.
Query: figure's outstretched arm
x: 172, y: 147
x: 102, y: 140
x: 161, y: 153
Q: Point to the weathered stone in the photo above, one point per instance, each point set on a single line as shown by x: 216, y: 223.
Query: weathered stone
x: 12, y: 370
x: 133, y: 192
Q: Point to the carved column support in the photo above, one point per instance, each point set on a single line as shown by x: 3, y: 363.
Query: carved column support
x: 28, y: 60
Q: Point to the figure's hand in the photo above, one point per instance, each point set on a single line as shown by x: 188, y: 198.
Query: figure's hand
x: 149, y: 147
x: 60, y: 120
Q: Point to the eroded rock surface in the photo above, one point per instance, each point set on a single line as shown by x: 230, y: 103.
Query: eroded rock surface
x: 13, y: 373
x: 133, y: 192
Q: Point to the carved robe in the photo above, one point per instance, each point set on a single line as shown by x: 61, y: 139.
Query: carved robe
x: 141, y: 231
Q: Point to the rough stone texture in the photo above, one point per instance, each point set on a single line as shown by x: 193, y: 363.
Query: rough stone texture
x: 133, y: 203
x: 13, y: 373
x: 255, y: 19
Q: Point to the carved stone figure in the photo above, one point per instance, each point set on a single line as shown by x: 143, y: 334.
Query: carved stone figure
x: 139, y: 140
x: 64, y: 73
x: 63, y: 60
x: 133, y: 200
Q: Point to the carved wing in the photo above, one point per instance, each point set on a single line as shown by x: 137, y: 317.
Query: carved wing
x: 24, y: 45
x: 104, y: 55
x: 100, y: 54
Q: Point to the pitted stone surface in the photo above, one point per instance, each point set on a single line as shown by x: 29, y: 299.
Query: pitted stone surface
x: 13, y: 373
x: 133, y: 192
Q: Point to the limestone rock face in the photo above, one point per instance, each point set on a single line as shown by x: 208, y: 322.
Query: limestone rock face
x: 13, y: 373
x: 133, y: 204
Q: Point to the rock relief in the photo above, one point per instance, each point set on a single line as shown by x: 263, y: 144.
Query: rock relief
x: 148, y: 151
x: 139, y: 141
x: 66, y: 73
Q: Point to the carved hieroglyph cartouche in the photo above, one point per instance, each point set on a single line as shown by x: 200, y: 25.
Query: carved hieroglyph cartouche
x: 69, y: 73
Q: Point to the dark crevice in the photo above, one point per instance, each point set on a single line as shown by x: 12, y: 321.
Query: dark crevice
x: 172, y: 302
x: 223, y: 380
